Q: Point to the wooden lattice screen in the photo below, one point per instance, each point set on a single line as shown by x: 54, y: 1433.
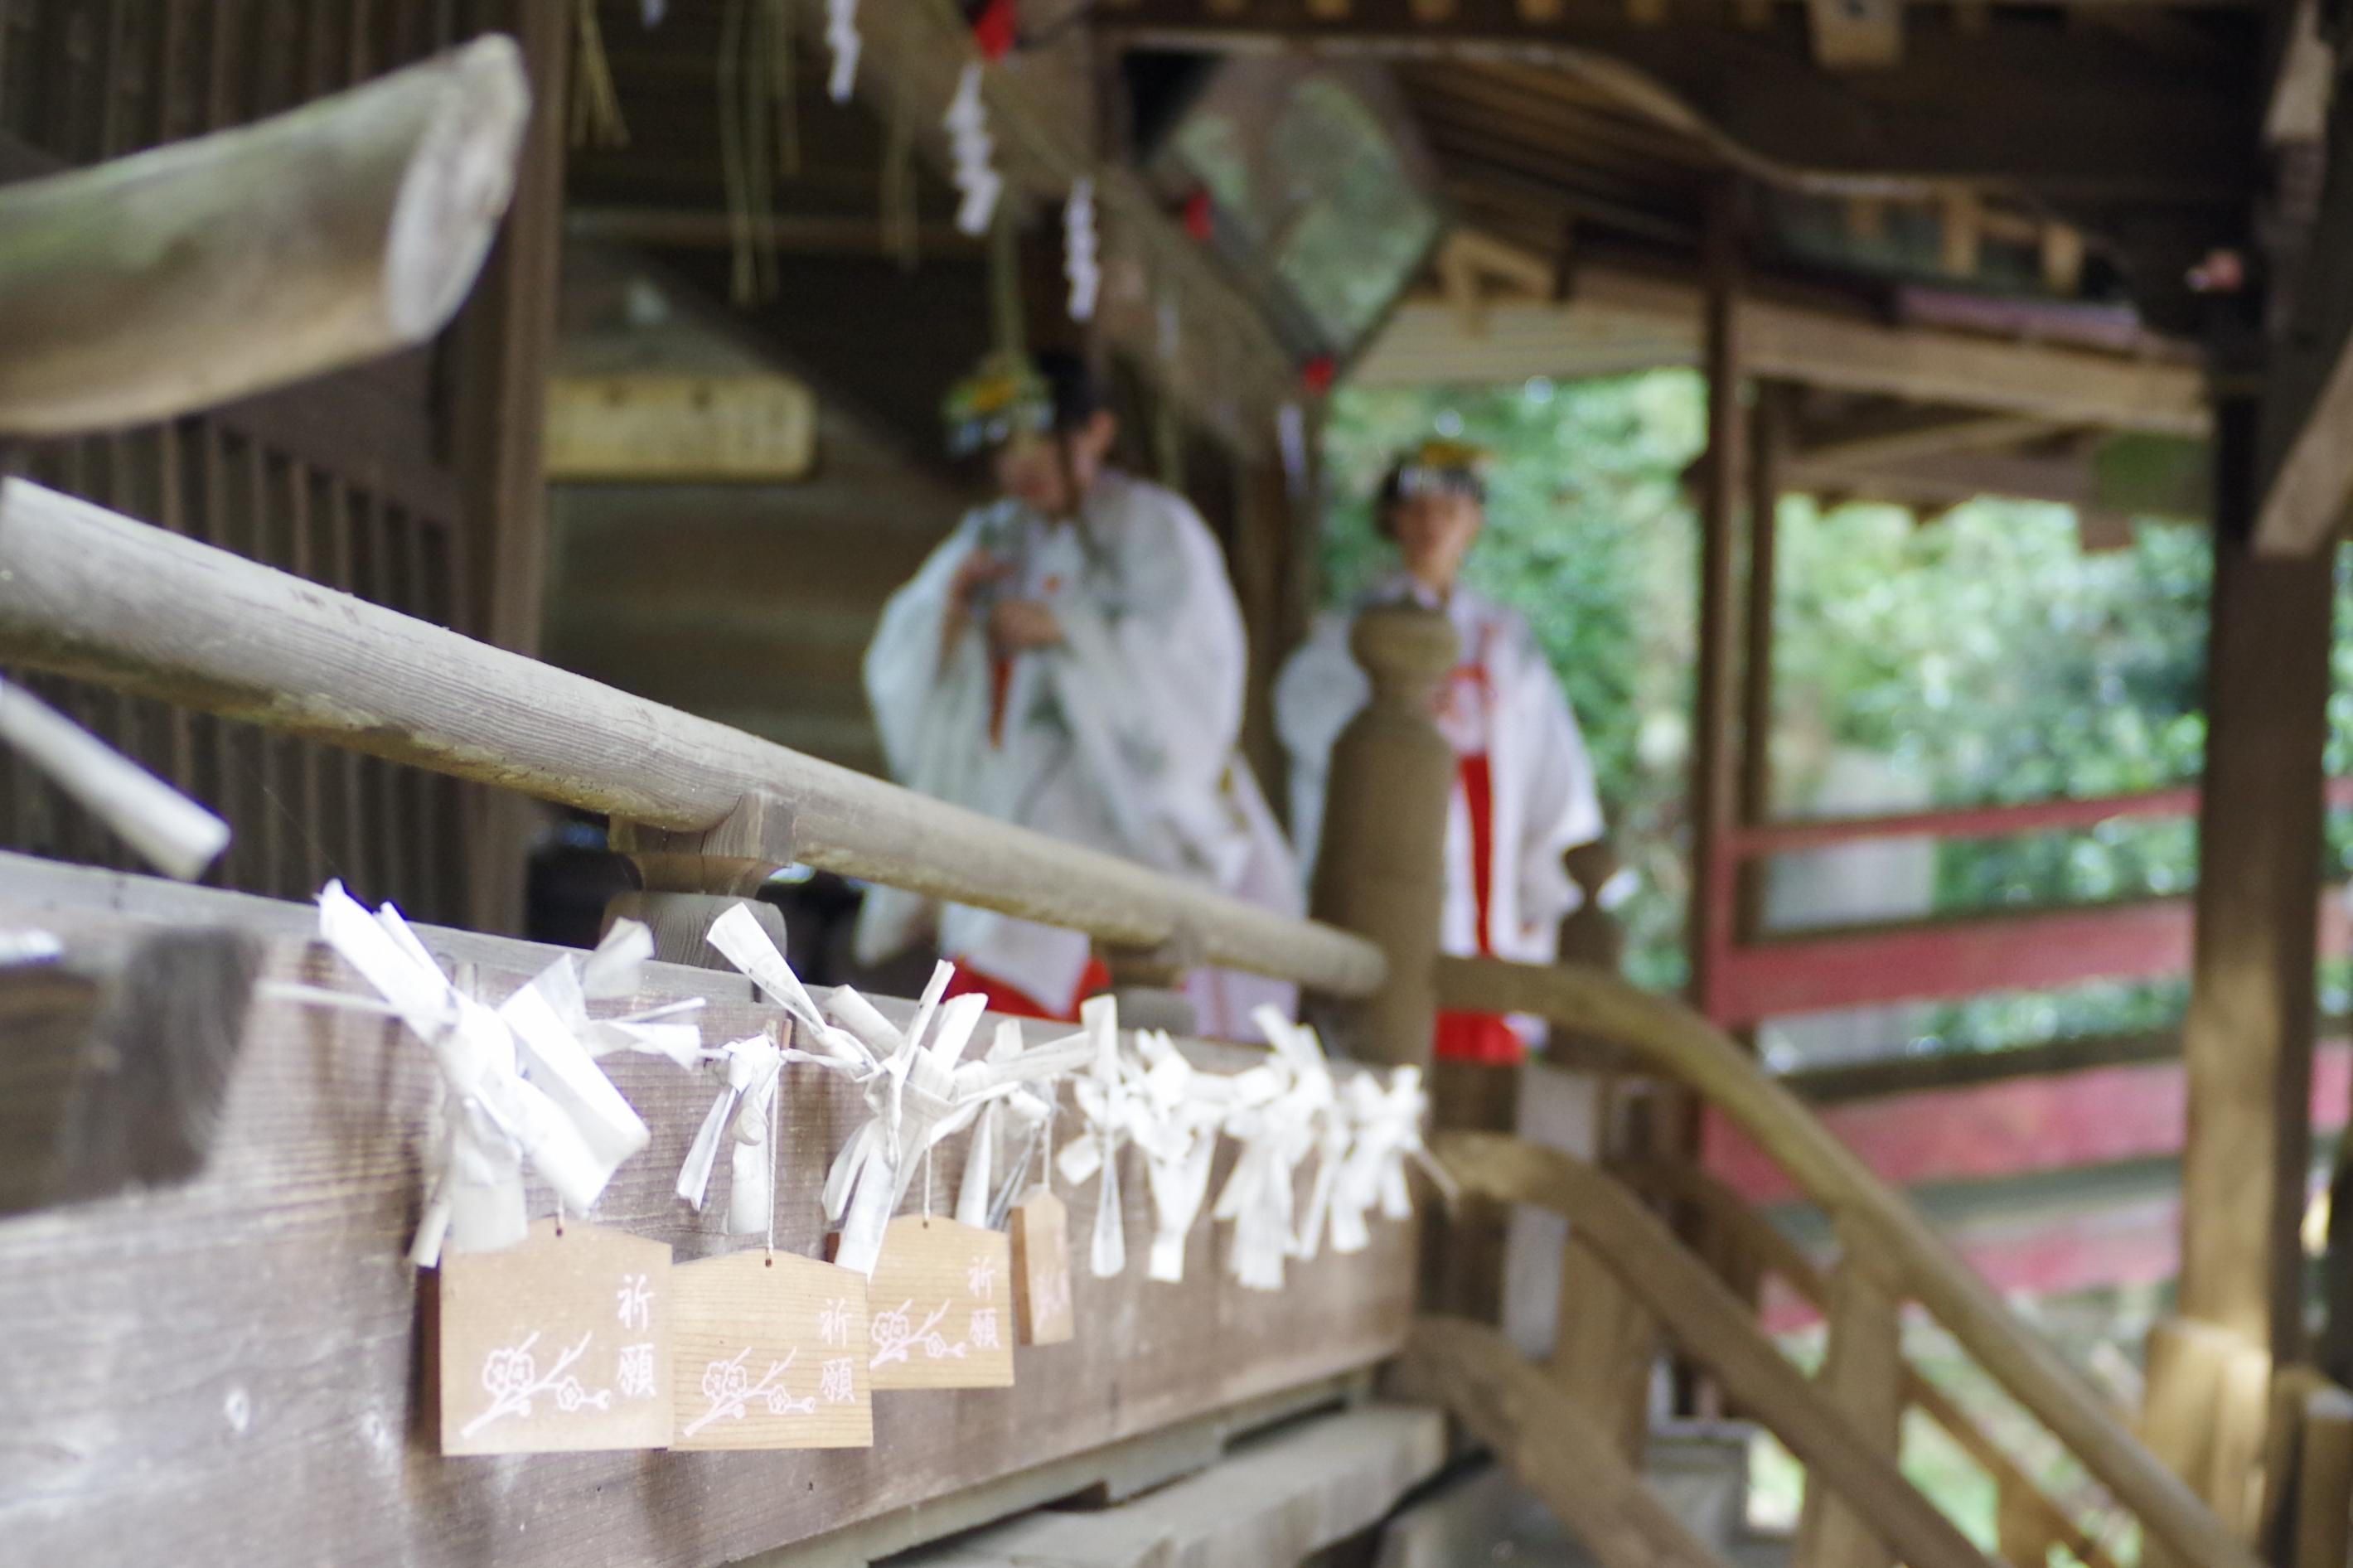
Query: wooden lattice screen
x: 346, y: 481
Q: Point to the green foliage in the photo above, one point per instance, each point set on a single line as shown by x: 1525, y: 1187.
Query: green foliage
x: 1981, y: 657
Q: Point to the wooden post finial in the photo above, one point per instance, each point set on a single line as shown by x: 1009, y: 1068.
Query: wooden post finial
x: 1381, y: 869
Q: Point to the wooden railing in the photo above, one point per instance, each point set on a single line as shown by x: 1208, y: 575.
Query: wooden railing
x: 87, y: 593
x: 1889, y: 1253
x: 1717, y: 1329
x: 2030, y: 1522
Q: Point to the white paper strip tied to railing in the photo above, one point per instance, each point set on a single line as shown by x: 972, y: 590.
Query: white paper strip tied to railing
x: 519, y: 1085
x: 1101, y: 1097
x: 1387, y: 1133
x: 1277, y: 1119
x: 918, y: 1089
x: 983, y: 1196
x: 1174, y: 1119
x: 615, y: 970
x: 741, y: 1116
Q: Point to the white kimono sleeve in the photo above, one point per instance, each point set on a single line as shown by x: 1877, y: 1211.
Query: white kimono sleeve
x: 1151, y: 679
x: 924, y: 708
x: 1320, y: 689
x: 931, y: 717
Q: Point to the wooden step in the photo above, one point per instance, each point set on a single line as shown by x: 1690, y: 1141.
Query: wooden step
x: 1268, y: 1504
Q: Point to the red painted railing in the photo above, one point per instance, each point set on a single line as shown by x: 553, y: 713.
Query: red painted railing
x: 2041, y: 949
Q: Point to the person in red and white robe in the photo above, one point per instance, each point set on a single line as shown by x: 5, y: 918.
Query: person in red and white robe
x: 1071, y: 659
x: 1524, y: 792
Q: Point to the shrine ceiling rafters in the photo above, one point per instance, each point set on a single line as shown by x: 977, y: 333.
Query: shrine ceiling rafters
x: 2086, y: 112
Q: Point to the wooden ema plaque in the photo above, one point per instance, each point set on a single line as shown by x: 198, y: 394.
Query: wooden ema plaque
x: 771, y: 1354
x: 943, y: 1300
x: 1041, y: 1237
x: 559, y: 1343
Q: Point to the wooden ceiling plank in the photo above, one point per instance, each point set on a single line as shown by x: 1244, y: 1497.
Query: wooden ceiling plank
x: 1806, y: 344
x: 1500, y: 139
x: 1570, y: 117
x: 2082, y: 116
x: 2304, y: 458
x: 1915, y: 435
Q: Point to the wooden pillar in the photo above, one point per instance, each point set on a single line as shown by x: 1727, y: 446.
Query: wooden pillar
x: 2021, y: 1524
x: 2208, y: 1404
x: 1863, y: 1375
x: 1755, y: 765
x: 504, y: 342
x: 1715, y: 711
x: 2324, y: 1480
x: 1603, y: 1350
x: 2247, y: 1038
x: 1381, y: 869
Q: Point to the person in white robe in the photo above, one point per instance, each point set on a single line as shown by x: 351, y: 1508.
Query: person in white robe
x: 1523, y: 791
x: 1072, y: 659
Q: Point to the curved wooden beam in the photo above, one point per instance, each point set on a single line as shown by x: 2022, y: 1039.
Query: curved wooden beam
x: 1779, y: 1255
x: 1679, y: 1042
x: 1715, y: 1328
x: 198, y: 272
x: 1546, y: 1438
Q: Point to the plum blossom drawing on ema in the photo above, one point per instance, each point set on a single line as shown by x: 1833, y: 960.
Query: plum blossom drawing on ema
x: 895, y: 1336
x: 512, y: 1379
x: 837, y: 1381
x: 728, y: 1385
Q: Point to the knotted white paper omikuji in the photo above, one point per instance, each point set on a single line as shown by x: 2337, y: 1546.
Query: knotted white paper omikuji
x: 1101, y: 1098
x: 1174, y: 1119
x: 519, y: 1084
x: 740, y: 1116
x: 1276, y: 1120
x: 917, y: 1087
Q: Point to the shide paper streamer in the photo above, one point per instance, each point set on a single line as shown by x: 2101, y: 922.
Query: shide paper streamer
x: 971, y: 150
x: 841, y: 37
x: 1082, y: 250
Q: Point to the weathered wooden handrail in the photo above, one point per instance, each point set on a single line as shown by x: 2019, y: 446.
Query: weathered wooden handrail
x: 1680, y: 1043
x: 1715, y: 1328
x: 87, y: 593
x: 184, y: 277
x: 1779, y: 1255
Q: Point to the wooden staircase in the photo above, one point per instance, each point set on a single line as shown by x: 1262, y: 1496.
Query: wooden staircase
x: 1573, y: 1426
